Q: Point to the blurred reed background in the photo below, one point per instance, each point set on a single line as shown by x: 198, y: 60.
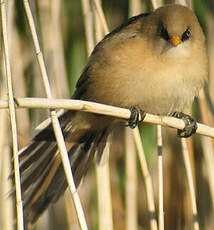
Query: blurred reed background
x: 68, y: 31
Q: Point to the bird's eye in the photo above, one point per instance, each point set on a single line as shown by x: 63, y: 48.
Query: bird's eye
x: 164, y: 34
x: 186, y: 35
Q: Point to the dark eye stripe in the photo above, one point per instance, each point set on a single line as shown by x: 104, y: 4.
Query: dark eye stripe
x: 186, y: 35
x: 164, y: 34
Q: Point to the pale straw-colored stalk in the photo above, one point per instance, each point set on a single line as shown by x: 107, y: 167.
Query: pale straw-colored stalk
x: 102, y: 169
x: 207, y: 144
x: 55, y: 122
x: 89, y: 25
x: 188, y: 167
x: 181, y: 2
x: 104, y: 193
x: 19, y: 207
x: 17, y: 69
x: 6, y: 203
x: 44, y: 9
x: 131, y: 182
x: 160, y: 179
x: 57, y: 51
x: 7, y: 207
x: 105, y: 220
x: 190, y: 183
x: 156, y: 4
x: 101, y: 16
x: 135, y: 7
x: 108, y: 110
x: 147, y: 180
x: 206, y: 114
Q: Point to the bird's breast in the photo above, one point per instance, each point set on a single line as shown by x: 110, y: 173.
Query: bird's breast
x: 135, y: 76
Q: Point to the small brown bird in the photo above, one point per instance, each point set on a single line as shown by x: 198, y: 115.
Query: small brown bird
x: 154, y: 63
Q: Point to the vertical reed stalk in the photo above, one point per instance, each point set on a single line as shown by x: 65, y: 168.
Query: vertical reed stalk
x: 147, y: 179
x: 160, y: 178
x: 190, y: 183
x: 131, y: 182
x: 102, y: 169
x: 20, y: 223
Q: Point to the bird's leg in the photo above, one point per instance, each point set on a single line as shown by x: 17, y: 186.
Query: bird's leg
x: 190, y: 124
x: 134, y: 118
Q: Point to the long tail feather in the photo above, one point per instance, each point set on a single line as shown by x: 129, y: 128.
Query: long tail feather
x: 36, y: 169
x: 42, y: 174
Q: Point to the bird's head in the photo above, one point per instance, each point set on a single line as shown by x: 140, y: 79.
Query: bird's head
x: 173, y: 28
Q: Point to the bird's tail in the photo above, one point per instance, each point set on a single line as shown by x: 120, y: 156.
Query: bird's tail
x: 42, y: 175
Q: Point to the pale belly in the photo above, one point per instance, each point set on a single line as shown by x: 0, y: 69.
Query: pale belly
x: 157, y: 96
x: 167, y: 86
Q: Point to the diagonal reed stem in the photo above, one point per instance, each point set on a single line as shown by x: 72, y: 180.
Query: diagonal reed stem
x: 55, y: 122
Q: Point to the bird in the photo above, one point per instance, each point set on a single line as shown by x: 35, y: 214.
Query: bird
x: 153, y: 63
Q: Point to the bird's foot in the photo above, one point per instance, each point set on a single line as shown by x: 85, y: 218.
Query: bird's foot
x: 190, y: 124
x: 134, y: 118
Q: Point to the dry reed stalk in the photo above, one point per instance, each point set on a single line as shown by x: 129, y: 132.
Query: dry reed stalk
x: 18, y: 82
x: 38, y: 86
x: 160, y: 179
x: 147, y: 179
x: 207, y: 144
x: 104, y: 193
x: 55, y: 122
x: 6, y: 203
x: 207, y: 116
x: 208, y: 152
x: 190, y: 4
x: 89, y: 24
x: 190, y: 183
x: 92, y: 107
x: 101, y: 16
x: 7, y: 207
x: 156, y: 3
x: 187, y: 151
x: 71, y: 218
x: 20, y: 224
x: 45, y: 21
x: 102, y: 169
x: 88, y: 18
x: 68, y: 209
x: 17, y: 69
x: 59, y: 69
x: 131, y: 182
x: 53, y: 48
x: 135, y: 7
x: 189, y: 143
x: 181, y: 2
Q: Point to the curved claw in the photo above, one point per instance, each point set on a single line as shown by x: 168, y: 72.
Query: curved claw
x: 134, y: 118
x: 190, y: 124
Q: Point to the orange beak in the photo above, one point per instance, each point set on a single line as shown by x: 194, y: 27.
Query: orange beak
x: 175, y: 41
